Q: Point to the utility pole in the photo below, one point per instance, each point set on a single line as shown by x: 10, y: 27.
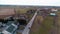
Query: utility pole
x: 15, y: 12
x: 15, y: 15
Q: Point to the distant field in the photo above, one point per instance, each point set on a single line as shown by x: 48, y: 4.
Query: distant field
x: 4, y: 12
x: 21, y: 11
x: 8, y: 11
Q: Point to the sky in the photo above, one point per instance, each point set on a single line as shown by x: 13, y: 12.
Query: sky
x: 31, y: 2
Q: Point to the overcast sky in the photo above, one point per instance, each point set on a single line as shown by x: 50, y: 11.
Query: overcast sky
x: 31, y: 2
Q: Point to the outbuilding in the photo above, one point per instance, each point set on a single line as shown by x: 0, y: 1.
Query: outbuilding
x: 52, y: 14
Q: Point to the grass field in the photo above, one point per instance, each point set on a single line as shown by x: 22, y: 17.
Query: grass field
x: 21, y: 11
x: 58, y: 13
x: 4, y: 12
x: 58, y: 22
x: 45, y: 26
x: 36, y: 25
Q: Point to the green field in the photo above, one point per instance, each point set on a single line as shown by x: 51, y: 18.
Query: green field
x: 22, y: 11
x: 46, y: 26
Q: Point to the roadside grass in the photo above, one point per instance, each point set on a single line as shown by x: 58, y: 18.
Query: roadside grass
x: 58, y: 13
x: 36, y: 25
x: 45, y: 26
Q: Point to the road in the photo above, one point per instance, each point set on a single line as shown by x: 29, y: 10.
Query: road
x: 37, y: 22
x: 27, y: 28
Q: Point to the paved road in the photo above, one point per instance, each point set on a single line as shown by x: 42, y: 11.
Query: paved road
x: 27, y: 28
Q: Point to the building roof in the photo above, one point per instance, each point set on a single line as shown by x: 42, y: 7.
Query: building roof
x: 10, y: 29
x: 53, y: 14
x: 54, y: 10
